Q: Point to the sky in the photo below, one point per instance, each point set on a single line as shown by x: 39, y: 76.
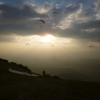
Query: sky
x: 71, y: 32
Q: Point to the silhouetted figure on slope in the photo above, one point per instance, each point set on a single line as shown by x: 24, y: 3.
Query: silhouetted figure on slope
x: 43, y: 73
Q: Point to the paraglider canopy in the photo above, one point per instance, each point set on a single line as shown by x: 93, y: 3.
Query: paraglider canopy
x: 27, y: 44
x: 52, y: 45
x: 42, y: 21
x: 91, y: 46
x: 55, y: 12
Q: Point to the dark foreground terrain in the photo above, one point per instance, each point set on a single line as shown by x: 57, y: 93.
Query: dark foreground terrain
x: 22, y: 87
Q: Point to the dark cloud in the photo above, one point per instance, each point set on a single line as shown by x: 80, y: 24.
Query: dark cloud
x: 97, y: 9
x: 97, y: 5
x: 88, y: 25
x: 27, y: 14
x: 72, y: 8
x: 15, y: 13
x: 84, y: 16
x: 26, y: 11
x: 63, y: 14
x: 47, y: 6
x: 28, y: 28
x: 91, y: 30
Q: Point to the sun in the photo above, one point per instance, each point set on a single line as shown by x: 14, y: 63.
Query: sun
x: 47, y: 38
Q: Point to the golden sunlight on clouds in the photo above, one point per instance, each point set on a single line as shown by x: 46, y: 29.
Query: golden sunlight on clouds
x: 48, y: 38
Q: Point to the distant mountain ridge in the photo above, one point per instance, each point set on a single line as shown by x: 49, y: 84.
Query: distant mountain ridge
x: 72, y: 74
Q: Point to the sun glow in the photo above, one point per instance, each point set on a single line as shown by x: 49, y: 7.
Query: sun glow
x: 47, y: 38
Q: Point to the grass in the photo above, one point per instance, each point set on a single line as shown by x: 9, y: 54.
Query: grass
x: 22, y: 87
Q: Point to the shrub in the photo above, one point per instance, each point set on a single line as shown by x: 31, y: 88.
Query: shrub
x: 56, y: 77
x: 47, y: 75
x: 20, y: 65
x: 13, y: 63
x: 4, y: 60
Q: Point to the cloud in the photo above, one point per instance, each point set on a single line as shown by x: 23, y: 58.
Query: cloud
x: 97, y: 9
x: 64, y: 18
x: 68, y: 22
x: 46, y: 7
x: 1, y: 3
x: 72, y: 9
x: 84, y: 30
x: 9, y: 38
x: 15, y: 13
x: 84, y: 16
x: 26, y: 13
x: 88, y: 25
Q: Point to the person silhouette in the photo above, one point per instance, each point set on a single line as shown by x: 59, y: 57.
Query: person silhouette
x: 43, y: 73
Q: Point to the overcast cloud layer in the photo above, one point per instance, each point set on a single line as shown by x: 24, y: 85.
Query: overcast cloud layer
x: 73, y: 20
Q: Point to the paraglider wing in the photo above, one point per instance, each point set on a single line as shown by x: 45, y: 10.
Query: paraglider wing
x: 52, y: 45
x: 42, y: 21
x: 55, y: 12
x: 27, y: 44
x: 91, y: 46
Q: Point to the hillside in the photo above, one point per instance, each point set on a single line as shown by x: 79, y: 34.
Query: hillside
x: 23, y: 87
x: 5, y: 65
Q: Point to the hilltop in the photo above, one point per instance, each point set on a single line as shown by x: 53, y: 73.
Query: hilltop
x: 23, y: 87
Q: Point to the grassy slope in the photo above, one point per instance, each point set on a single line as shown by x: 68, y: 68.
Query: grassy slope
x: 21, y: 87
